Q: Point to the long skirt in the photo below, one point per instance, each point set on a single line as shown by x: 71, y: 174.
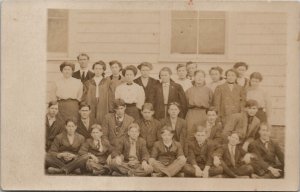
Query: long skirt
x: 68, y: 108
x: 193, y: 117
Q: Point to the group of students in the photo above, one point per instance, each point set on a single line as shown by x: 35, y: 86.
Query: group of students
x: 119, y: 125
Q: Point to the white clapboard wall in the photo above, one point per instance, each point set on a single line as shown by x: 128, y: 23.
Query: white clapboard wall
x: 132, y: 37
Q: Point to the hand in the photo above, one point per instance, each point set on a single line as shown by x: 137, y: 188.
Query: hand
x: 146, y: 166
x: 67, y: 158
x: 94, y: 158
x: 275, y: 172
x: 118, y: 160
x: 216, y: 161
x: 151, y: 161
x: 198, y: 172
x: 247, y: 158
x: 205, y: 173
x: 245, y: 146
x: 108, y: 160
x: 181, y: 158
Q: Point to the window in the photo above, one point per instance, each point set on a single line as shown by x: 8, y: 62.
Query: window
x: 57, y: 38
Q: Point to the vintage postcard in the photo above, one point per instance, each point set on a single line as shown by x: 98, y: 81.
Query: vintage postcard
x: 150, y: 95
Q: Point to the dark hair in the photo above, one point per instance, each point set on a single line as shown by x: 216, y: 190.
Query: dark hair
x: 199, y: 71
x: 216, y: 69
x: 264, y: 124
x: 118, y: 102
x: 83, y: 55
x: 180, y: 65
x: 234, y: 132
x: 65, y: 64
x: 251, y: 103
x: 130, y: 68
x: 165, y: 69
x: 84, y: 105
x: 146, y: 64
x: 200, y: 128
x: 96, y: 126
x: 189, y: 63
x: 232, y: 70
x: 134, y: 125
x: 174, y: 103
x: 256, y: 75
x: 102, y: 64
x: 166, y: 128
x: 73, y: 120
x: 116, y: 62
x: 239, y: 64
x: 211, y: 109
x: 52, y: 103
x: 147, y: 106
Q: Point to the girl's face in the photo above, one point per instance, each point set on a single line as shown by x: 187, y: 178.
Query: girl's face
x: 231, y: 77
x: 199, y: 78
x: 182, y: 72
x: 242, y: 70
x: 115, y: 69
x: 98, y: 70
x: 67, y: 71
x: 71, y: 128
x: 254, y: 82
x: 173, y: 111
x: 215, y: 75
x: 145, y: 71
x: 96, y: 134
x: 129, y: 76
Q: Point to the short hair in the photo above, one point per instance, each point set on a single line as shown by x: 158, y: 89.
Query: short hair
x: 251, y: 103
x: 116, y: 62
x: 180, y: 65
x: 199, y: 71
x: 212, y: 109
x: 130, y: 68
x: 147, y: 106
x: 239, y: 64
x: 234, y: 132
x: 133, y: 125
x: 167, y: 128
x: 216, y: 69
x: 189, y: 63
x: 175, y: 104
x: 256, y: 75
x: 264, y: 124
x: 84, y: 105
x: 101, y: 63
x: 83, y: 55
x: 96, y: 126
x: 232, y: 70
x: 165, y: 69
x: 67, y: 64
x: 200, y: 128
x: 146, y: 64
x: 118, y: 102
x: 52, y: 103
x: 73, y: 120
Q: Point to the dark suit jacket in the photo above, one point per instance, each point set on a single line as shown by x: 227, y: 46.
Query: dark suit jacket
x: 200, y: 155
x: 239, y: 122
x: 215, y: 132
x: 228, y: 102
x: 151, y: 134
x: 159, y: 152
x: 87, y: 77
x: 84, y: 131
x: 176, y: 94
x: 109, y: 127
x: 267, y: 157
x: 62, y: 144
x: 52, y: 131
x: 90, y: 147
x: 152, y: 83
x: 123, y: 148
x: 224, y: 154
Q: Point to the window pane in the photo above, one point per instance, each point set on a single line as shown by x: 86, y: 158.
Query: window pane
x: 184, y: 36
x: 57, y: 31
x: 211, y: 36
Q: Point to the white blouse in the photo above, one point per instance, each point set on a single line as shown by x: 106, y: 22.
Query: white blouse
x: 184, y: 83
x: 70, y: 88
x: 133, y: 93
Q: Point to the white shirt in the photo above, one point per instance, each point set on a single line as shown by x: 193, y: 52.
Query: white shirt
x: 97, y: 80
x: 166, y: 89
x: 186, y: 83
x: 131, y: 94
x: 70, y: 88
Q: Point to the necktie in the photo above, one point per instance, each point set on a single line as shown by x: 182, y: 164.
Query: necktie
x: 82, y: 76
x: 147, y: 123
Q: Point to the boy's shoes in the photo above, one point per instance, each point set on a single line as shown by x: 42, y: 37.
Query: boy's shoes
x: 53, y: 170
x: 114, y: 173
x: 254, y: 176
x: 157, y: 175
x: 180, y: 174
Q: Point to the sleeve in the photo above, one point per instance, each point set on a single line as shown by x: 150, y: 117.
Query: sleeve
x: 191, y: 158
x: 141, y: 97
x: 84, y: 149
x: 155, y: 151
x: 230, y: 125
x: 85, y: 91
x: 145, y: 152
x: 217, y: 100
x: 254, y: 149
x: 54, y: 149
x: 210, y: 150
x: 243, y: 98
x: 182, y: 99
x: 80, y: 91
x: 179, y: 150
x: 218, y: 136
x: 279, y: 153
x: 118, y: 149
x: 118, y: 92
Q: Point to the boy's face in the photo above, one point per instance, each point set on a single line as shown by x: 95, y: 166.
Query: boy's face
x: 215, y: 75
x: 212, y: 116
x: 231, y: 77
x: 173, y: 111
x: 96, y: 134
x: 191, y: 69
x: 167, y: 136
x: 252, y: 110
x: 254, y: 82
x: 83, y: 61
x: 120, y: 111
x: 264, y: 132
x: 84, y: 112
x: 67, y: 71
x: 98, y: 70
x: 145, y: 71
x: 182, y: 72
x: 71, y: 128
x: 233, y: 139
x: 129, y: 76
x: 134, y: 133
x: 165, y: 76
x: 147, y: 114
x: 242, y: 70
x: 53, y: 110
x: 200, y: 136
x: 115, y: 69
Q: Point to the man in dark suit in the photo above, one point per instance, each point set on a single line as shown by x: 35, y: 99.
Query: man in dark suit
x: 269, y: 161
x: 245, y: 123
x: 167, y: 92
x: 84, y: 74
x: 131, y: 156
x: 147, y: 82
x: 115, y: 125
x: 85, y: 122
x: 54, y: 125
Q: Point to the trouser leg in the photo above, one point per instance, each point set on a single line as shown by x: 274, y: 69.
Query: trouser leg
x: 158, y: 167
x: 189, y: 170
x: 78, y: 162
x: 213, y: 171
x: 176, y: 166
x: 53, y: 161
x: 244, y: 170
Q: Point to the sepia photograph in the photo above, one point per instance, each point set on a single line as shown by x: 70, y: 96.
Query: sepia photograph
x: 194, y: 92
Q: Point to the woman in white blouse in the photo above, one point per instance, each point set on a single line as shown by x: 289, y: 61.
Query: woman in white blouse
x: 132, y: 93
x: 68, y: 92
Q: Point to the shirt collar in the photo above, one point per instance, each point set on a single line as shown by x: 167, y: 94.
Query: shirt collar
x: 51, y: 118
x: 120, y: 118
